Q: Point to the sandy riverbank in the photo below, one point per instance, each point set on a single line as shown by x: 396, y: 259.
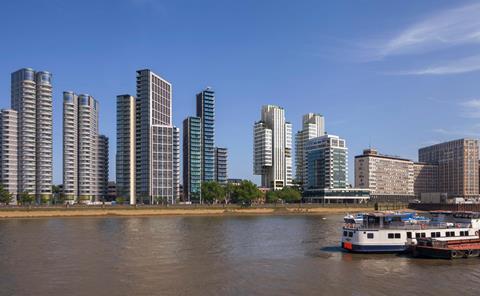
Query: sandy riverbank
x: 106, y: 212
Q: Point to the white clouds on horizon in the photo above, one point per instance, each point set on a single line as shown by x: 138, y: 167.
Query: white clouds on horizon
x: 464, y: 65
x: 473, y: 131
x: 446, y: 29
x: 452, y: 27
x: 471, y: 108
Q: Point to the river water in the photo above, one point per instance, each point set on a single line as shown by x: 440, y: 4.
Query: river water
x: 249, y: 255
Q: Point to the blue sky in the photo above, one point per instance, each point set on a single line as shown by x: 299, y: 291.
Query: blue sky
x: 396, y: 75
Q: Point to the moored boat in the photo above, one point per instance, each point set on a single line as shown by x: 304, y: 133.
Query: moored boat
x: 447, y: 249
x: 395, y: 232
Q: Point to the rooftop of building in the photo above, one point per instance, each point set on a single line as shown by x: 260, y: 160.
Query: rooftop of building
x: 372, y: 152
x: 448, y: 142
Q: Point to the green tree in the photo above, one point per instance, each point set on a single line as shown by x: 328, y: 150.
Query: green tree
x: 26, y: 198
x: 5, y: 196
x: 59, y: 198
x: 212, y: 191
x: 289, y: 194
x: 272, y: 196
x: 246, y: 192
x: 120, y: 200
x: 228, y: 192
x: 45, y: 199
x: 55, y: 189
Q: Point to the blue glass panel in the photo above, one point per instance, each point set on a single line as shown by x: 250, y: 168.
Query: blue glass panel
x: 83, y: 100
x: 68, y: 97
x: 28, y: 75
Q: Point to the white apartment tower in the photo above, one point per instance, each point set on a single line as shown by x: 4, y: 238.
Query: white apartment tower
x: 272, y: 148
x: 157, y: 140
x: 9, y: 151
x: 313, y: 126
x: 31, y: 97
x: 80, y: 147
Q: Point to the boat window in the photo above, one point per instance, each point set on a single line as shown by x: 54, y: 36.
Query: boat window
x: 344, y: 233
x: 390, y: 235
x: 447, y: 234
x: 452, y: 233
x: 433, y: 234
x: 409, y: 234
x: 350, y: 234
x: 370, y: 235
x: 397, y: 235
x: 423, y: 234
x: 417, y: 235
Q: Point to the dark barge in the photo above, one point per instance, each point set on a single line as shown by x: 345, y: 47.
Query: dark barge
x: 446, y: 249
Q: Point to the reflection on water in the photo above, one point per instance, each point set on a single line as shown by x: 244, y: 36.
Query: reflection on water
x: 269, y: 255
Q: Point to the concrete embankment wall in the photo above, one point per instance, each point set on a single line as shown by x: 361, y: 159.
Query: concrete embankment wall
x: 187, y: 210
x: 444, y: 207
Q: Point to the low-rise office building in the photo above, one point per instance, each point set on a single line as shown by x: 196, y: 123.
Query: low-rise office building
x: 387, y: 177
x: 393, y: 178
x: 327, y: 172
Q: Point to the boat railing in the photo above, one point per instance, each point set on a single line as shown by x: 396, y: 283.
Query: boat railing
x: 418, y: 226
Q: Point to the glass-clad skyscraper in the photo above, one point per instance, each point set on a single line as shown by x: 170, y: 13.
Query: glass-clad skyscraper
x: 125, y: 158
x: 206, y: 112
x: 221, y: 173
x: 327, y: 165
x: 192, y: 158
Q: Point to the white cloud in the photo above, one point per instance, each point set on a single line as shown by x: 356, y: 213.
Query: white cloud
x: 464, y: 65
x: 471, y: 108
x: 473, y: 131
x: 445, y: 29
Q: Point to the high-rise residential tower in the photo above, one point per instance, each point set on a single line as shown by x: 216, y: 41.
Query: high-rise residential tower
x: 9, y: 151
x: 206, y: 112
x: 80, y: 147
x: 313, y: 126
x: 192, y: 159
x: 457, y: 166
x: 221, y: 165
x: 103, y: 169
x: 272, y: 148
x: 157, y: 154
x: 31, y: 97
x: 125, y: 158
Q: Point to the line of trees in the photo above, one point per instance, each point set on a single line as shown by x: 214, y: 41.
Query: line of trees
x: 212, y: 192
x: 245, y: 193
x: 24, y: 198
